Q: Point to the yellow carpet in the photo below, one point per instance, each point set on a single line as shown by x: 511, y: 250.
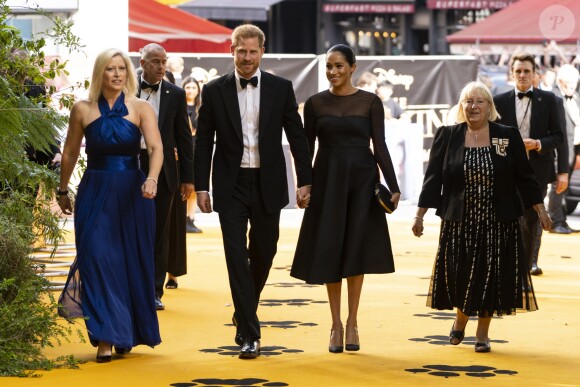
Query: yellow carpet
x: 403, y: 343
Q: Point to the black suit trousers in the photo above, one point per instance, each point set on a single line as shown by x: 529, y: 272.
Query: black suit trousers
x: 248, y: 262
x: 532, y: 232
x: 163, y: 209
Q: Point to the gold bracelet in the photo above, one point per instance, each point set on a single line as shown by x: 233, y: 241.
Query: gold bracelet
x: 418, y: 217
x: 150, y: 178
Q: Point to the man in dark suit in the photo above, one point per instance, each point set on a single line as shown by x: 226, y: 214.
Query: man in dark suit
x: 566, y: 84
x: 538, y: 116
x: 246, y: 111
x: 169, y: 103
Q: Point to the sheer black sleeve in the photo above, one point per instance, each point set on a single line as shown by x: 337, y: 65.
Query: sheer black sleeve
x: 310, y: 125
x: 382, y: 155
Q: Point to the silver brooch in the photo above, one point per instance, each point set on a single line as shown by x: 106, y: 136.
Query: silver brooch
x: 501, y: 145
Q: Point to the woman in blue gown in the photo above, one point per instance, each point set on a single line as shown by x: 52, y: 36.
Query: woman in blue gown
x: 111, y: 282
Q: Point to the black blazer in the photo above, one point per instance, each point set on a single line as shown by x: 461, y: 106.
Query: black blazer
x: 568, y: 144
x: 444, y: 183
x: 546, y: 125
x: 219, y: 118
x: 175, y: 133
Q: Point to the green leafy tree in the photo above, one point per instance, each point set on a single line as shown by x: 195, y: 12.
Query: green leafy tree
x: 28, y: 318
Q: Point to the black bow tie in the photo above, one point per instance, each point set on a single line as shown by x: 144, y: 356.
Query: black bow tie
x: 528, y: 94
x: 145, y: 85
x: 244, y: 82
x: 569, y: 96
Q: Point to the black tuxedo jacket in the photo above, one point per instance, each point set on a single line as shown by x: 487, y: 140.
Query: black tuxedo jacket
x: 444, y: 183
x: 568, y: 144
x: 219, y: 118
x: 175, y: 133
x: 546, y: 125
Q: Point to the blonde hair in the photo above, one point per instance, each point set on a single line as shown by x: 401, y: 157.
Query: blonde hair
x: 476, y: 89
x: 101, y: 62
x: 248, y: 31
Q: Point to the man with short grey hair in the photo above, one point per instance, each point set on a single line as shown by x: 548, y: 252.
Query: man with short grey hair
x: 566, y: 86
x: 170, y: 105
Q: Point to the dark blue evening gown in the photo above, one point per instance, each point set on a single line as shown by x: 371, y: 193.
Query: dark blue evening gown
x: 111, y: 281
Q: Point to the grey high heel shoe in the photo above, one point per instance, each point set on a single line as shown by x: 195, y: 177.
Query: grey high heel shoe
x: 336, y: 348
x: 354, y: 344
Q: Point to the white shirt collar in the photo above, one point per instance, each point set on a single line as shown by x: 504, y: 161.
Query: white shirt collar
x: 518, y: 91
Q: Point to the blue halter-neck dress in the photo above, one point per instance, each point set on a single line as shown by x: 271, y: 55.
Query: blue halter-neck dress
x: 111, y: 282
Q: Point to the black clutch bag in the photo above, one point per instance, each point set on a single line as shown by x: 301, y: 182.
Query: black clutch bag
x: 383, y: 196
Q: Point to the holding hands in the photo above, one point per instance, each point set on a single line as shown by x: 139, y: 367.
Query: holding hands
x: 303, y: 196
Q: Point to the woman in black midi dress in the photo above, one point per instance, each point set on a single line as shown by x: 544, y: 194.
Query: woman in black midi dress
x: 344, y: 232
x: 478, y: 177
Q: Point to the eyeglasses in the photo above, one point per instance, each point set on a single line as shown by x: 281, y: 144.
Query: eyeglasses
x: 471, y: 102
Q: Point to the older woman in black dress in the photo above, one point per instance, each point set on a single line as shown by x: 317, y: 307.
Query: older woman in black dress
x: 344, y: 232
x: 477, y: 178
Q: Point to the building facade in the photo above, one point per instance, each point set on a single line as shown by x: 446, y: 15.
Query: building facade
x: 371, y: 27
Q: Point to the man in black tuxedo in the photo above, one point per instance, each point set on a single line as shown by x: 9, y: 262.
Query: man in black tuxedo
x: 246, y: 111
x: 169, y: 103
x: 539, y: 117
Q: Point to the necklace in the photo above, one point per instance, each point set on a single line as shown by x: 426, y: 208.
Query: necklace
x: 476, y: 133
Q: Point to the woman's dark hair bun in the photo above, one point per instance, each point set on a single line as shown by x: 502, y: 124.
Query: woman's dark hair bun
x: 345, y: 50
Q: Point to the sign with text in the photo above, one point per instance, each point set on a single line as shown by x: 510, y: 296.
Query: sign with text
x: 368, y: 8
x: 469, y: 4
x: 425, y: 87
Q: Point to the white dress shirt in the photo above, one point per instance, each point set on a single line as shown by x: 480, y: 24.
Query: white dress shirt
x: 571, y: 105
x: 523, y: 114
x: 249, y: 102
x: 154, y: 98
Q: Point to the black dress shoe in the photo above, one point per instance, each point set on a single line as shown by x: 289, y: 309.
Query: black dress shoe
x: 158, y: 304
x: 104, y: 358
x: 567, y: 226
x: 560, y: 229
x: 122, y: 351
x: 535, y: 270
x: 239, y: 339
x: 250, y: 349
